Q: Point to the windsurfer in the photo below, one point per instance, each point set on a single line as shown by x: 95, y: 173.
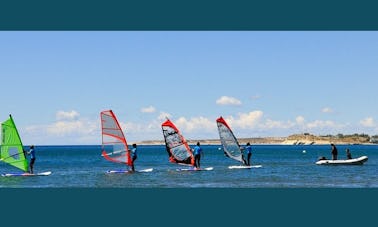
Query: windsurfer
x: 248, y: 148
x: 31, y: 152
x: 133, y: 156
x: 197, y: 155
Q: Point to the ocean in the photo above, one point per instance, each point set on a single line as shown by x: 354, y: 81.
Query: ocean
x: 282, y: 167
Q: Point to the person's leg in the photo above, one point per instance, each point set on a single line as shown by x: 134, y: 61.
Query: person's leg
x: 32, y: 165
x: 132, y: 166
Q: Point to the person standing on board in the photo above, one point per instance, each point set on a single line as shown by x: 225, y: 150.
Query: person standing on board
x: 334, y: 152
x: 349, y: 155
x: 197, y: 155
x: 248, y: 148
x: 133, y: 156
x: 31, y: 152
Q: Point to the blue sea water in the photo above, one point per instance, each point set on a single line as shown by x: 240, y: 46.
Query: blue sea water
x: 282, y: 167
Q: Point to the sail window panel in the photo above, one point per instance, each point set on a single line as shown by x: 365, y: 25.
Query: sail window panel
x: 113, y: 132
x: 180, y: 153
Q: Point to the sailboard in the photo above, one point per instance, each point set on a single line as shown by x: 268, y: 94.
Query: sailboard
x: 231, y: 145
x: 177, y: 147
x: 12, y: 151
x: 195, y: 169
x: 114, y: 144
x: 245, y: 167
x: 128, y: 171
x: 26, y: 174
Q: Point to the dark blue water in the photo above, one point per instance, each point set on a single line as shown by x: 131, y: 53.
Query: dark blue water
x: 283, y: 167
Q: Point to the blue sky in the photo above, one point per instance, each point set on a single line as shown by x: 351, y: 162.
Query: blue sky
x: 271, y: 83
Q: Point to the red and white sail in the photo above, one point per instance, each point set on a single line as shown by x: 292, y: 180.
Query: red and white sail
x: 114, y: 145
x: 177, y: 147
x: 229, y: 142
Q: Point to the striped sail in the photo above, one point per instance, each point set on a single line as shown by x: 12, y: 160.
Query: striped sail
x: 176, y: 145
x: 229, y: 142
x: 114, y: 145
x: 12, y: 151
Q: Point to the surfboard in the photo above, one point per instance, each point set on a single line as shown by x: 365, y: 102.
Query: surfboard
x: 245, y: 167
x: 195, y: 169
x: 26, y: 174
x: 129, y: 171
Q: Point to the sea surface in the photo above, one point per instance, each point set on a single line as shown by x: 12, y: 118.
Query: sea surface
x: 283, y: 166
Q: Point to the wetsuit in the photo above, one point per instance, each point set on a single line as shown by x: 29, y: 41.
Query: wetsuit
x: 248, y: 148
x: 197, y: 156
x: 133, y: 157
x: 32, y: 159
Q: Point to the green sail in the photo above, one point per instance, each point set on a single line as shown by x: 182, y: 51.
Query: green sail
x: 12, y: 151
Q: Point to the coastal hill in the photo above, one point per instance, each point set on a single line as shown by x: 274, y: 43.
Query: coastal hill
x: 296, y: 139
x: 308, y: 139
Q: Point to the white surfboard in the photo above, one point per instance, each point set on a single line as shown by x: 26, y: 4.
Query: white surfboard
x: 245, y: 167
x: 129, y: 171
x: 195, y: 169
x: 26, y: 174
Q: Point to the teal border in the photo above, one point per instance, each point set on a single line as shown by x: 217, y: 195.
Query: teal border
x: 188, y: 207
x: 189, y: 15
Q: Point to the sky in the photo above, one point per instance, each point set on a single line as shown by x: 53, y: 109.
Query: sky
x: 264, y: 83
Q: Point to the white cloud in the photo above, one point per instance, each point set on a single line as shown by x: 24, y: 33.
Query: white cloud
x: 327, y: 110
x: 163, y: 116
x: 149, y: 109
x: 68, y: 129
x: 245, y: 120
x: 271, y: 124
x: 62, y: 115
x: 225, y: 100
x: 368, y: 122
x: 300, y: 120
x: 195, y: 124
x: 71, y: 128
x: 322, y: 124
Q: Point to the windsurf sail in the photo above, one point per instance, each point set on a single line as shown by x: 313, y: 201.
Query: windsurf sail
x: 114, y: 145
x: 176, y: 145
x: 12, y: 151
x: 229, y: 142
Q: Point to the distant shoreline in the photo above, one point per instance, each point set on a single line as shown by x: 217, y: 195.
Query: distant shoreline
x: 296, y: 139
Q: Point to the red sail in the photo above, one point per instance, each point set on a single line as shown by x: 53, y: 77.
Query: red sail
x: 177, y: 147
x: 229, y: 142
x: 114, y: 145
